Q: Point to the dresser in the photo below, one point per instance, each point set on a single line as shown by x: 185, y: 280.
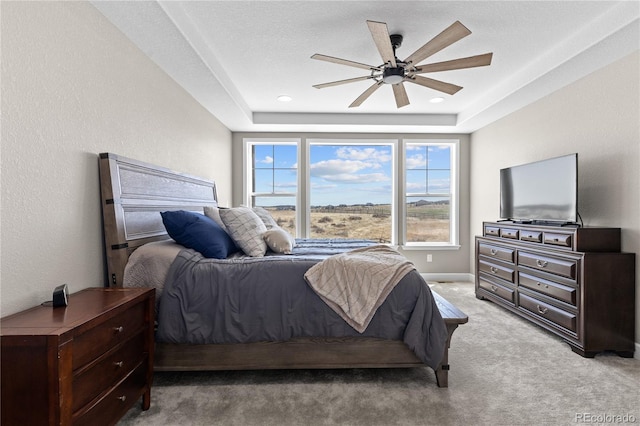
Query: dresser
x: 571, y: 281
x: 83, y: 364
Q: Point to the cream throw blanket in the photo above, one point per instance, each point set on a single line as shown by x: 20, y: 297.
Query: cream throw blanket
x: 356, y: 283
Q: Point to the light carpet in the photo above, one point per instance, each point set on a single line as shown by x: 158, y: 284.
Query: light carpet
x: 504, y: 371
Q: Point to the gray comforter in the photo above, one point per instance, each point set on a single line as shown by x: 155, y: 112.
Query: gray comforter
x: 246, y: 299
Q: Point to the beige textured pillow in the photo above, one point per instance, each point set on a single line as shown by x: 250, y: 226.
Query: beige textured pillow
x: 246, y: 229
x: 279, y: 240
x: 214, y: 214
x: 266, y: 217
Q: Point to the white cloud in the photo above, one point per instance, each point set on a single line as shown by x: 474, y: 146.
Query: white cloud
x: 371, y: 154
x: 416, y: 161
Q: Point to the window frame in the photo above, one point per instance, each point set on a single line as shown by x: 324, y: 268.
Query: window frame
x: 398, y: 167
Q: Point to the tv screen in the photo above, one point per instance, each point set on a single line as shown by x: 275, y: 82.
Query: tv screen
x: 543, y: 191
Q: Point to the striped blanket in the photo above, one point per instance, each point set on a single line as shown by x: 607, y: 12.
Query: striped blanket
x: 354, y: 284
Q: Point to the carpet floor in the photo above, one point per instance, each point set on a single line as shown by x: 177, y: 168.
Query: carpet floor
x: 504, y: 371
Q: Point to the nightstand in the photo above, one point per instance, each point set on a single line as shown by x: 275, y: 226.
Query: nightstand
x: 87, y: 363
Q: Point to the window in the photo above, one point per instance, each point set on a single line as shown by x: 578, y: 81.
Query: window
x: 273, y: 180
x: 351, y: 189
x: 429, y: 192
x: 357, y: 188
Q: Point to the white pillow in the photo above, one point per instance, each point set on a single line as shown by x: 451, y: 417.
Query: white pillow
x: 214, y: 214
x: 266, y: 217
x: 279, y: 240
x: 246, y: 229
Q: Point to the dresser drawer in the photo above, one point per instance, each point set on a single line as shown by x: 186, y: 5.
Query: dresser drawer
x: 491, y: 231
x: 550, y: 288
x: 88, y: 383
x: 116, y: 402
x: 551, y: 313
x: 499, y: 290
x: 509, y: 233
x: 531, y: 236
x: 105, y: 336
x: 564, y: 267
x: 558, y: 239
x: 496, y: 252
x: 500, y: 271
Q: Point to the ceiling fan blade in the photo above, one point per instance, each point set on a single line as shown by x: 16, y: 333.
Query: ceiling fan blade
x: 344, y: 62
x: 339, y: 82
x: 456, y: 64
x: 440, y: 86
x: 381, y: 38
x: 400, y: 94
x: 453, y: 33
x: 366, y: 94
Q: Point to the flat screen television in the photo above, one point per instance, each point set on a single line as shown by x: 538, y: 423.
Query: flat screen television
x: 541, y: 192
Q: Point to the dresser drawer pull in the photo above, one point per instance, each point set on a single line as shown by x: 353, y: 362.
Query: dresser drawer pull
x: 494, y: 288
x: 118, y: 364
x: 118, y: 329
x: 541, y: 263
x: 539, y: 284
x: 542, y: 310
x: 494, y: 252
x: 122, y: 398
x: 493, y: 270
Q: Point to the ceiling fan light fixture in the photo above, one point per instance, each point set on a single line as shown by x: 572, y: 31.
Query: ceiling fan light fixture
x: 393, y: 75
x: 436, y: 100
x: 284, y: 98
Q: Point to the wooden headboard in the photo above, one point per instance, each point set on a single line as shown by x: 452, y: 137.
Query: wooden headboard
x: 133, y: 194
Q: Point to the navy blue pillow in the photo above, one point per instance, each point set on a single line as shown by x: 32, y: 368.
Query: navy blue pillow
x: 198, y: 232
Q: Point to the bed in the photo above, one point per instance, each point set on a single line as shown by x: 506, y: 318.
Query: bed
x: 133, y: 193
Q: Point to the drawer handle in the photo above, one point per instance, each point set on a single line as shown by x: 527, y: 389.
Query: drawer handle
x: 542, y: 310
x: 122, y: 398
x: 541, y: 263
x: 494, y: 252
x: 118, y: 329
x: 493, y: 270
x: 118, y: 364
x: 494, y: 288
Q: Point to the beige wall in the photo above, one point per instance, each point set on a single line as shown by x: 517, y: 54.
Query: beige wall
x: 447, y: 263
x: 73, y: 86
x: 599, y: 118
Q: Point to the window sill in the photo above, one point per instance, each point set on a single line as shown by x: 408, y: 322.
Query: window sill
x: 430, y: 247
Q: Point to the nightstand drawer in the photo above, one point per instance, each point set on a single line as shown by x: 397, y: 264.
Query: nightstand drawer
x: 107, y: 371
x: 117, y: 401
x: 103, y: 337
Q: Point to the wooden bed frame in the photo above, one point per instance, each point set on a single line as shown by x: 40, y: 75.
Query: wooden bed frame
x: 133, y: 194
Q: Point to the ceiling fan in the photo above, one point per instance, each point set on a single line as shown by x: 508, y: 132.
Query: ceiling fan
x: 396, y: 72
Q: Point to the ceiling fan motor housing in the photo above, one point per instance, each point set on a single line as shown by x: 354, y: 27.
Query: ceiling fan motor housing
x: 393, y: 75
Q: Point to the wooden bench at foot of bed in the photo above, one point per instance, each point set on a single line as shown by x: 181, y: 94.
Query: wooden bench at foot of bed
x: 307, y: 353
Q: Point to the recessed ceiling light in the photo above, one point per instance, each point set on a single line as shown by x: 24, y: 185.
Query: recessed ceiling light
x: 284, y: 98
x: 436, y: 100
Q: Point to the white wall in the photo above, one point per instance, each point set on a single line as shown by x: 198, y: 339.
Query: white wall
x: 73, y: 86
x: 599, y: 118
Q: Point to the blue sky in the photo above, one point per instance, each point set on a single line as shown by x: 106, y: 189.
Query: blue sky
x: 350, y: 174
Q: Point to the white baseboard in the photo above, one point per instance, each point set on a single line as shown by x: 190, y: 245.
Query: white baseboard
x: 447, y: 277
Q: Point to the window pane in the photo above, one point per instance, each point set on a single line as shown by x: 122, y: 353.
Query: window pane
x: 282, y: 209
x: 428, y: 214
x: 285, y: 156
x: 428, y: 219
x: 439, y: 182
x: 285, y: 181
x: 262, y: 156
x: 263, y: 180
x: 351, y: 191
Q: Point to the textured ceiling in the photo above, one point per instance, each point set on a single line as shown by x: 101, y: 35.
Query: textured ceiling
x: 236, y: 57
